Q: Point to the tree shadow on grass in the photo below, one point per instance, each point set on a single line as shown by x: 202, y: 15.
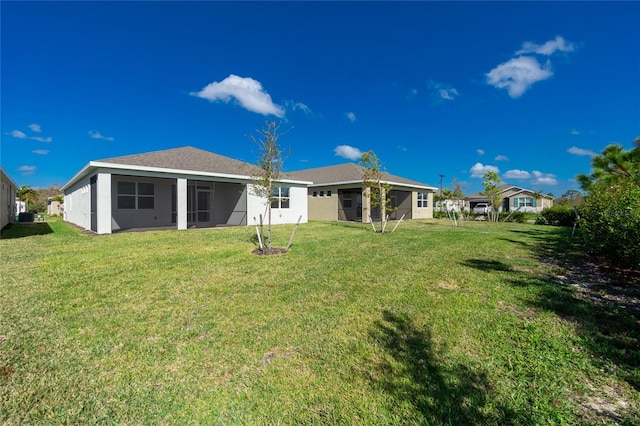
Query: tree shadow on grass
x: 440, y: 391
x: 22, y: 230
x: 487, y: 265
x: 603, y: 303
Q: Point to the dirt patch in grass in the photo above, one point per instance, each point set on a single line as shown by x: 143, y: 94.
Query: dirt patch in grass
x: 602, y: 285
x: 612, y: 297
x: 267, y: 251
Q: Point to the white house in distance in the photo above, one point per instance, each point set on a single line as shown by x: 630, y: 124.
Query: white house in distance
x: 54, y: 207
x: 8, y: 199
x: 515, y: 198
x: 176, y: 188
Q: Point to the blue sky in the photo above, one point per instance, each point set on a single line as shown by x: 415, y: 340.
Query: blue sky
x: 530, y: 90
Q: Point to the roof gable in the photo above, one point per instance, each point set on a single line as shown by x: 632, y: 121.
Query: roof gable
x: 343, y: 173
x: 508, y: 188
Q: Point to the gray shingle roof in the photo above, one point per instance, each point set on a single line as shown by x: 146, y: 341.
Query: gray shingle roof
x: 186, y: 158
x: 503, y: 188
x: 348, y: 172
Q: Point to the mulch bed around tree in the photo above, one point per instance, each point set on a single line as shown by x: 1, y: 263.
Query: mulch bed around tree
x: 269, y: 251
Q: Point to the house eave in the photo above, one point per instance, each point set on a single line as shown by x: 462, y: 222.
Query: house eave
x: 360, y: 183
x: 5, y: 174
x: 95, y: 165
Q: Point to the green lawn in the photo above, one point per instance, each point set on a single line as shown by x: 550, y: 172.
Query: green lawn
x: 428, y: 325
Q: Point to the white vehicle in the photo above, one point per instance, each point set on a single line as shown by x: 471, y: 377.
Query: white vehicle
x: 481, y: 208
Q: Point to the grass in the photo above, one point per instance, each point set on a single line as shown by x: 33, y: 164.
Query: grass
x: 428, y: 325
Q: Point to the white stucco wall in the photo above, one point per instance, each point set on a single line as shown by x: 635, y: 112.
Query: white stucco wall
x: 8, y: 203
x: 297, y: 207
x: 422, y: 212
x: 77, y: 203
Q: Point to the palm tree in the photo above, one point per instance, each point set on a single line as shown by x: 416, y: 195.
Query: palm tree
x: 27, y: 194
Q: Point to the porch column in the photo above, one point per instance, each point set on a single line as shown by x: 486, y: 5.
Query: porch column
x: 181, y: 203
x: 366, y: 204
x: 103, y: 203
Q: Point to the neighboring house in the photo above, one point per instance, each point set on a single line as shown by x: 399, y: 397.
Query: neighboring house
x: 21, y: 206
x: 338, y: 193
x: 54, y: 207
x: 8, y: 199
x: 177, y: 188
x: 515, y: 198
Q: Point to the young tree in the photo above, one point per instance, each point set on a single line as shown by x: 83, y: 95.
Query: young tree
x: 537, y: 195
x: 269, y: 168
x: 491, y: 185
x: 373, y: 180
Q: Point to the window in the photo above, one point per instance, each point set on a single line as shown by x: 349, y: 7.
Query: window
x: 126, y: 195
x: 146, y: 198
x: 423, y: 200
x: 280, y: 197
x: 132, y: 195
x: 328, y: 193
x: 315, y: 193
x: 524, y: 202
x: 347, y: 200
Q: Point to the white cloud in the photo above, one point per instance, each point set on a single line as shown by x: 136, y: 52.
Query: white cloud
x: 480, y: 151
x: 18, y: 134
x: 98, y: 135
x: 575, y: 132
x: 40, y: 151
x: 544, y: 178
x: 304, y: 108
x: 348, y: 152
x: 245, y: 90
x: 412, y: 93
x: 580, y: 151
x: 448, y: 94
x: 501, y: 158
x: 518, y: 74
x: 516, y: 174
x: 27, y: 170
x: 41, y: 139
x: 480, y: 169
x: 36, y: 128
x: 548, y: 48
x: 351, y: 116
x: 443, y: 91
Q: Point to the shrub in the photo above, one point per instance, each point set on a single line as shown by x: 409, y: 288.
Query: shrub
x: 559, y: 215
x: 518, y: 217
x: 610, y: 222
x: 439, y: 215
x: 540, y: 220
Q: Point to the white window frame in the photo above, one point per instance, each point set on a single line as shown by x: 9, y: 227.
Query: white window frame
x: 281, y: 197
x: 423, y: 200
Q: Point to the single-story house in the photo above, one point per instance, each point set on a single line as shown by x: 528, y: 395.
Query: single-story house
x: 176, y: 188
x: 515, y: 198
x: 338, y: 193
x: 54, y: 207
x: 8, y: 199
